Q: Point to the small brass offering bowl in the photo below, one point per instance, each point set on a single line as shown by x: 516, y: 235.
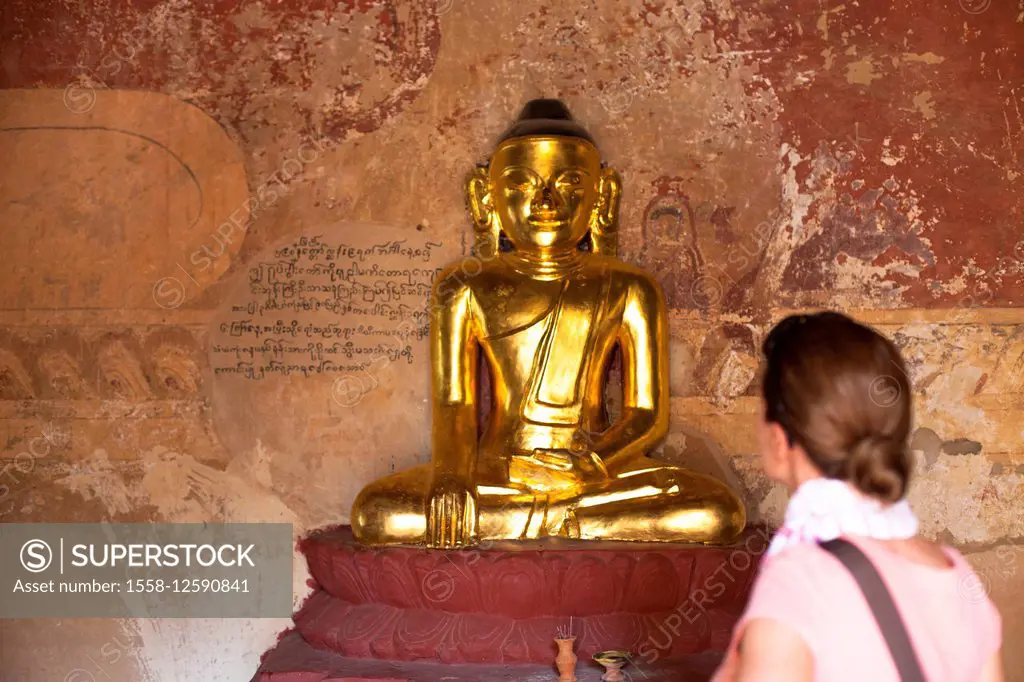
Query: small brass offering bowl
x: 612, y: 657
x: 612, y: 662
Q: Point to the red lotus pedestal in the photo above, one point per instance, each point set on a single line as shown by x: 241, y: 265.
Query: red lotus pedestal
x: 504, y: 603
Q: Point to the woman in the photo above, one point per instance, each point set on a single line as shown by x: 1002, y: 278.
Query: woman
x: 834, y: 431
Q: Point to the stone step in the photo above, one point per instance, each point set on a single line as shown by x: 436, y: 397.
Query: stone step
x: 294, y: 660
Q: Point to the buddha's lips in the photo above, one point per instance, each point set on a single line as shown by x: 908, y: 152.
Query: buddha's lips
x: 548, y: 223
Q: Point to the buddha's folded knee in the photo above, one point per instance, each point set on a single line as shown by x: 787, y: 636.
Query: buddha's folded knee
x: 709, y: 507
x: 690, y: 507
x: 719, y: 521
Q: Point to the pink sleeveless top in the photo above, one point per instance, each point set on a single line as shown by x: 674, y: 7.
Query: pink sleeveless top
x: 953, y: 624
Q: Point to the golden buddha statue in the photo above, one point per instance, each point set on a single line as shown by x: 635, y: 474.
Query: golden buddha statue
x: 546, y: 315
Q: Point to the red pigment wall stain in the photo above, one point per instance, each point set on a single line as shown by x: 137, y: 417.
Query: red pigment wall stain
x: 939, y: 86
x: 334, y: 66
x: 907, y: 117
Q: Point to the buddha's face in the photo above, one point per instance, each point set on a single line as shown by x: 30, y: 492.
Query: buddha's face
x: 544, y: 190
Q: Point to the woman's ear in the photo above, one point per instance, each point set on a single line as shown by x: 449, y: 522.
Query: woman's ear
x: 777, y: 452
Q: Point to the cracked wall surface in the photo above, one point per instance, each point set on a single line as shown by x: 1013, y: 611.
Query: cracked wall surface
x: 776, y: 157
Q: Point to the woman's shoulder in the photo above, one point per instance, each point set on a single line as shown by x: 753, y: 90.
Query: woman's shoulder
x: 805, y: 556
x: 933, y: 571
x: 796, y: 572
x: 949, y: 605
x: 801, y: 558
x: 815, y: 564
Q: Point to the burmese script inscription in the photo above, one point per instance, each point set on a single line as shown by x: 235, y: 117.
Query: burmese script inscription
x: 319, y: 359
x: 320, y: 306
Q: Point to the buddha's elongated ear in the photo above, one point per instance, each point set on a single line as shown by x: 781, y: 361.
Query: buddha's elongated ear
x: 481, y: 211
x: 604, y: 225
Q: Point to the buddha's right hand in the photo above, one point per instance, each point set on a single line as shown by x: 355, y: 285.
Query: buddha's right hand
x: 451, y: 513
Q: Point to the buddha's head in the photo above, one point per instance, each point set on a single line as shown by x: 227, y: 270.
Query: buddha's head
x: 545, y: 188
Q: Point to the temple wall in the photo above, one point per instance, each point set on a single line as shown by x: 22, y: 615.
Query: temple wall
x: 776, y: 157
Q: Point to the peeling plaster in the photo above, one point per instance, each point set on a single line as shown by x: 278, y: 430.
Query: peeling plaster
x: 862, y: 72
x: 182, y: 490
x: 961, y: 446
x: 984, y: 507
x: 923, y: 102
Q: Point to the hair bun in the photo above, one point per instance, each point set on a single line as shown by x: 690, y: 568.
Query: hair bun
x: 821, y: 385
x: 879, y: 466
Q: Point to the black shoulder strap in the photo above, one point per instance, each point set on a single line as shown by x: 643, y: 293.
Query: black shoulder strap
x: 882, y: 605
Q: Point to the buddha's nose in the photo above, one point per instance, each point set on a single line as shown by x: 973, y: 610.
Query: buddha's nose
x: 546, y: 200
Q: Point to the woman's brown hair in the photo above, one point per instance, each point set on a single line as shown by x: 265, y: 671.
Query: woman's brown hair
x: 841, y: 391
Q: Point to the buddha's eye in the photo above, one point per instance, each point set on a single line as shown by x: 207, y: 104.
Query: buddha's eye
x: 519, y: 180
x: 571, y: 179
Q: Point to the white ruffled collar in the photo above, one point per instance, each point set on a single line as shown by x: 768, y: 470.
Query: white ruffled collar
x: 826, y: 508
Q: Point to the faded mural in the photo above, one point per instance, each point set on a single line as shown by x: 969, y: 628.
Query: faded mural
x: 172, y: 168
